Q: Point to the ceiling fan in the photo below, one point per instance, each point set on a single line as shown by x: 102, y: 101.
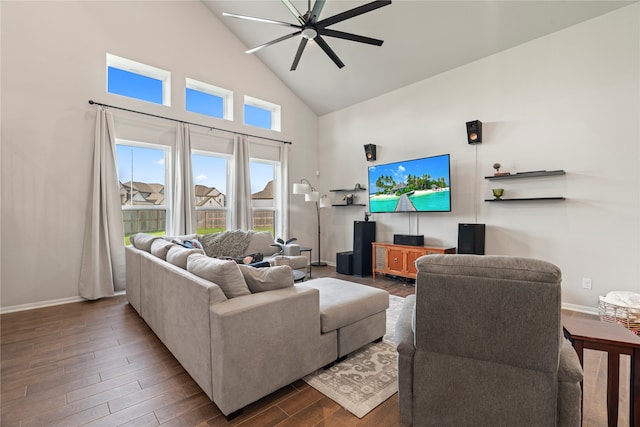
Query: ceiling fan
x: 312, y: 29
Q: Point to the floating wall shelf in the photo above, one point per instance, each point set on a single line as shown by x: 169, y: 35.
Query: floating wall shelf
x: 526, y: 175
x: 524, y: 199
x: 348, y: 189
x: 532, y: 174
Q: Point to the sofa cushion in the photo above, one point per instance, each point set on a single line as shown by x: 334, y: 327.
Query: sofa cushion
x: 267, y: 279
x: 177, y: 255
x: 160, y: 247
x: 224, y: 273
x: 143, y: 241
x: 181, y: 238
x: 261, y: 241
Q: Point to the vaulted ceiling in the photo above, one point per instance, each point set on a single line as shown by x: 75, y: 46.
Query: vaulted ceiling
x: 422, y: 38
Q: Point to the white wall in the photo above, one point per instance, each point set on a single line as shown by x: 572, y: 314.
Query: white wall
x: 569, y: 101
x: 53, y: 62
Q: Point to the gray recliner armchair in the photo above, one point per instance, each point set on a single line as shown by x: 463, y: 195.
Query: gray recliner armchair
x: 481, y: 344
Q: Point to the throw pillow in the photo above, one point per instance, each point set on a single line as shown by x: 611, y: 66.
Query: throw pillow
x: 178, y: 255
x: 267, y: 279
x: 232, y: 243
x: 143, y: 241
x: 223, y: 273
x: 261, y: 241
x: 160, y: 247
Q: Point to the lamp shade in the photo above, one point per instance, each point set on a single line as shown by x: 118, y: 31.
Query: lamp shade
x: 325, y: 202
x: 301, y: 188
x: 312, y: 196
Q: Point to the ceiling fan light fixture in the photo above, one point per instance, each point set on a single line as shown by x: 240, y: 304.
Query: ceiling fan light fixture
x: 309, y: 33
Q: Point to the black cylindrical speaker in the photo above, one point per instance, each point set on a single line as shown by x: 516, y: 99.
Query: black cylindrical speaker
x: 474, y: 132
x: 471, y: 239
x: 370, y: 152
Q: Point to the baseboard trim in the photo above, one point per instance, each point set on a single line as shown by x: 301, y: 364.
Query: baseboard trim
x: 50, y: 303
x: 580, y: 308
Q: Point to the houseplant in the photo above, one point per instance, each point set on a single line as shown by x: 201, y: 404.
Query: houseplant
x: 280, y: 244
x: 280, y: 258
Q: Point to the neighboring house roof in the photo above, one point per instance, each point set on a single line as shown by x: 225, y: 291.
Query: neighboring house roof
x: 142, y: 193
x: 153, y: 194
x: 266, y: 193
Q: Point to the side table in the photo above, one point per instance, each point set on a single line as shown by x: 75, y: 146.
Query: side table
x: 615, y: 340
x: 306, y: 249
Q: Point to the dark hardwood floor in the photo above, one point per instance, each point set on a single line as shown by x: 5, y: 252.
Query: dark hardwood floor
x: 98, y: 364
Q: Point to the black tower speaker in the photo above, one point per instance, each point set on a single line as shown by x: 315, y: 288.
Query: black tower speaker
x: 471, y: 239
x: 364, y: 233
x: 370, y: 152
x: 474, y: 132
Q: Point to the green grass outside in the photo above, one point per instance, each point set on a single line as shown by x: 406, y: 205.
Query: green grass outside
x: 127, y: 242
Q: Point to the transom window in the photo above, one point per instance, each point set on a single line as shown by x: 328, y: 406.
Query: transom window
x: 210, y: 100
x: 136, y: 80
x: 261, y: 113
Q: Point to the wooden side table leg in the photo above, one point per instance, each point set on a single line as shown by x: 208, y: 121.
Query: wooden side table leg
x: 613, y: 387
x: 634, y: 389
x: 578, y: 346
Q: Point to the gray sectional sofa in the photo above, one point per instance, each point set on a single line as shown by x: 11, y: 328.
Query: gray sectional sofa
x: 240, y: 345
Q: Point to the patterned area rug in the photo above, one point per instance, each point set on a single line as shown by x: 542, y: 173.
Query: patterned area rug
x: 368, y: 376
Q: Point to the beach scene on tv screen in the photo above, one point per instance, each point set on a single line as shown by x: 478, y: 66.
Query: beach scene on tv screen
x: 419, y: 185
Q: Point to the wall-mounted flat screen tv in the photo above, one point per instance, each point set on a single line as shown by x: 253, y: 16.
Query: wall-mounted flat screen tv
x: 418, y: 185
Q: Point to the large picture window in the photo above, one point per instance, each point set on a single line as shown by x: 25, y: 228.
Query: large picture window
x: 263, y: 195
x: 211, y: 179
x: 142, y: 176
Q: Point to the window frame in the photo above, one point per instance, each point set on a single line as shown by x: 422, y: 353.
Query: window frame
x: 144, y: 70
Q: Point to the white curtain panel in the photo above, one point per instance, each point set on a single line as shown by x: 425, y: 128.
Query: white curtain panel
x: 282, y: 227
x: 241, y: 213
x: 102, y: 271
x: 183, y: 197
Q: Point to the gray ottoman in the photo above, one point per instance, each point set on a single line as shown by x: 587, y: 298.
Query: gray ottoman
x: 357, y: 312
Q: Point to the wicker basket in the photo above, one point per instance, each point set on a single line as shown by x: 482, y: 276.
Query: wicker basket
x: 629, y: 317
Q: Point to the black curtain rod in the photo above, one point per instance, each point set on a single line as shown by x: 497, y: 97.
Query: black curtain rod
x: 92, y: 102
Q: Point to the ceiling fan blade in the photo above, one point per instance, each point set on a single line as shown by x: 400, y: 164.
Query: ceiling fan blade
x: 349, y: 36
x: 294, y: 11
x: 315, y: 12
x: 303, y: 43
x: 267, y: 21
x: 352, y: 12
x: 288, y: 36
x: 320, y: 41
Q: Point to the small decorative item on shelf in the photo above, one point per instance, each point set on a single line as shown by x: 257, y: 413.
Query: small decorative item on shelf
x: 357, y: 186
x: 497, y: 167
x: 498, y: 192
x: 366, y: 216
x: 348, y: 198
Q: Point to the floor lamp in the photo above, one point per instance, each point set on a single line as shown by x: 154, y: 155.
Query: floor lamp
x: 311, y: 195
